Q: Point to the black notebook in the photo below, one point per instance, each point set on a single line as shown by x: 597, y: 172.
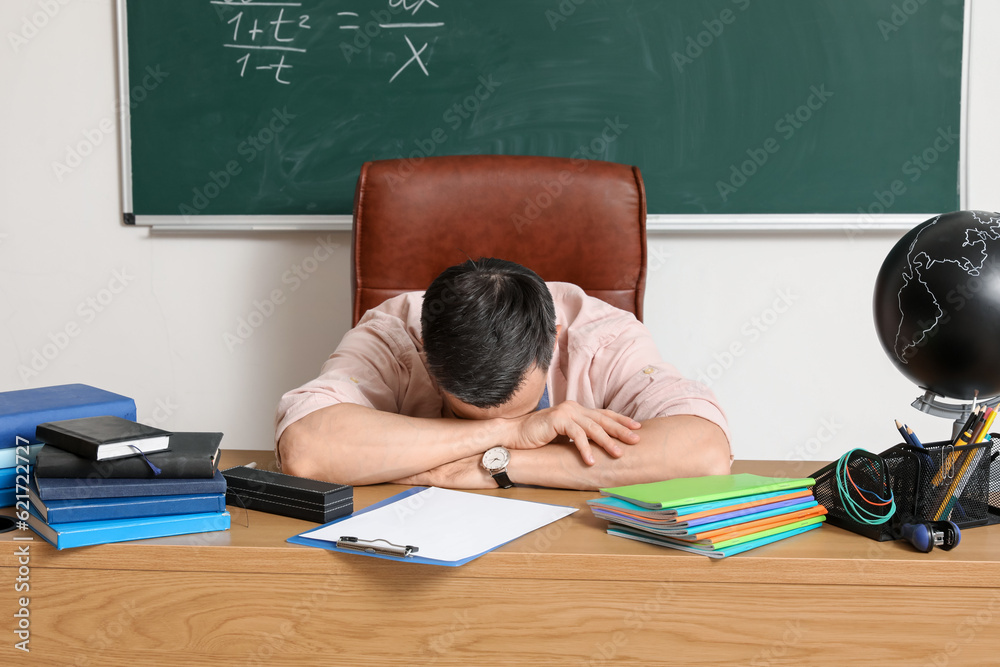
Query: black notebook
x: 103, y: 438
x: 192, y: 455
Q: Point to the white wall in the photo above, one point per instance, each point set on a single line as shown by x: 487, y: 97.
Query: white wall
x: 812, y: 385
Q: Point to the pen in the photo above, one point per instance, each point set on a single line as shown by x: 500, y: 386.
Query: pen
x: 973, y: 416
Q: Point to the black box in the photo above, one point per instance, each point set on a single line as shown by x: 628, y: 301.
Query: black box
x: 277, y: 493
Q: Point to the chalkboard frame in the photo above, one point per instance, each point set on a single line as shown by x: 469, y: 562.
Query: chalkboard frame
x: 849, y: 223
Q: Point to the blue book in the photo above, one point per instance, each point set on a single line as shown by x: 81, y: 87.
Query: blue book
x: 22, y: 410
x: 101, y: 509
x: 7, y: 476
x: 12, y: 456
x: 8, y: 486
x: 76, y: 488
x: 85, y: 533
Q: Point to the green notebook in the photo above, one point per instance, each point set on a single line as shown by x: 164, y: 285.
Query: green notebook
x: 690, y: 490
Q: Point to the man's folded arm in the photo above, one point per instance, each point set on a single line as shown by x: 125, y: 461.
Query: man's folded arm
x: 344, y: 425
x: 668, y: 447
x: 353, y: 444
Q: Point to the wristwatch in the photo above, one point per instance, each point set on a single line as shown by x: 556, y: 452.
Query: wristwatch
x: 495, y: 461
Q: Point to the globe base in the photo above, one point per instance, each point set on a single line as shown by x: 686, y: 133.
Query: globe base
x: 931, y: 404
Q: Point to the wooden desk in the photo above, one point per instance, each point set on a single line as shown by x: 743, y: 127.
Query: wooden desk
x: 567, y: 594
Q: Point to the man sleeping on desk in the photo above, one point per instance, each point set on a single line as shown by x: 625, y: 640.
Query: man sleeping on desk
x: 493, y: 377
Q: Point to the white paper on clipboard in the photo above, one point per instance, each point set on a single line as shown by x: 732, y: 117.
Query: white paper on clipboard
x: 446, y: 525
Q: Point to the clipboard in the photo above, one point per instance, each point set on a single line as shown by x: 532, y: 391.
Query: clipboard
x: 559, y: 511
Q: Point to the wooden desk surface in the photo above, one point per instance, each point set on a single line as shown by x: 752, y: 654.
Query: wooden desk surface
x: 566, y: 593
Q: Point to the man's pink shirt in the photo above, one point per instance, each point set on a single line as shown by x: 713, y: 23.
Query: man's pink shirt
x: 604, y: 358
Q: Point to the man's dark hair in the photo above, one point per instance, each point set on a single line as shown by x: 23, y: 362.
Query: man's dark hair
x: 485, y: 323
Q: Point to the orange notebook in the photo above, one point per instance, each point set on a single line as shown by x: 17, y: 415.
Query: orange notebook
x: 731, y: 532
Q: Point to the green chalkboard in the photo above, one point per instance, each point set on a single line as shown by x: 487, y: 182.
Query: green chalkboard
x: 727, y: 106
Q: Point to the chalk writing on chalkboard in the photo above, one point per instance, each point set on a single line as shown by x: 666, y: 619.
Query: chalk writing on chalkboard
x: 270, y: 24
x: 414, y: 54
x: 272, y: 35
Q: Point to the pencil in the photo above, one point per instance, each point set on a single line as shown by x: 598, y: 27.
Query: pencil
x: 969, y: 462
x: 907, y: 440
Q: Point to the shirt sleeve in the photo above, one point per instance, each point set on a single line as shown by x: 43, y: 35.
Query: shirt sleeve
x: 370, y: 367
x: 639, y: 384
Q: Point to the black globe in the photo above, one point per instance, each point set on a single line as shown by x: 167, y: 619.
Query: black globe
x: 937, y: 304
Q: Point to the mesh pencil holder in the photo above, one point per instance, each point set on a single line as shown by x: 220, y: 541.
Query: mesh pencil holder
x: 938, y: 482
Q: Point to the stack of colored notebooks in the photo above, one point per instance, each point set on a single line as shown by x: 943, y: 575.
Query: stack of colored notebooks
x: 24, y: 409
x: 87, y: 488
x: 716, y: 516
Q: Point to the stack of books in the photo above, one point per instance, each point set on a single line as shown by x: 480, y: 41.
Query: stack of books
x: 105, y: 479
x: 716, y: 516
x: 21, y: 411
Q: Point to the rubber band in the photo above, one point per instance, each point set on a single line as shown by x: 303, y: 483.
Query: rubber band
x: 885, y: 501
x: 853, y: 508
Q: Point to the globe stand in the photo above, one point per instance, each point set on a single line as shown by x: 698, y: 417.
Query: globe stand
x: 959, y: 412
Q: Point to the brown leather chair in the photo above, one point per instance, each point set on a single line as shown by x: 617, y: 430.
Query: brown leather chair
x: 571, y: 220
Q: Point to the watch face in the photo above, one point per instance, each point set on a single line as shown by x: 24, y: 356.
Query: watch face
x: 495, y: 458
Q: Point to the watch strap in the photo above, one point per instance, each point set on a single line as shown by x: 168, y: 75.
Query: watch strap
x: 503, y: 481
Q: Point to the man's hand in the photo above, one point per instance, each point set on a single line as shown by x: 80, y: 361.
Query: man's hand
x: 582, y: 425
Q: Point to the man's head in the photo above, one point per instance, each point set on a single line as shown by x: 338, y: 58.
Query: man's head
x: 488, y: 329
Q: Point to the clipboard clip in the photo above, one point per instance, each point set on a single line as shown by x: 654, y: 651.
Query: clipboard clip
x: 386, y: 548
